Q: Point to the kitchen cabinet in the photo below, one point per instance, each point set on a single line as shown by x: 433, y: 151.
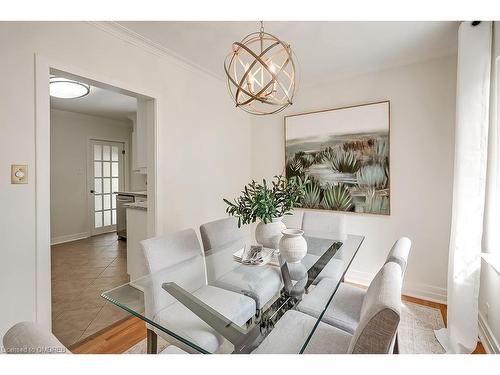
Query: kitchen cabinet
x: 137, y: 231
x: 140, y: 138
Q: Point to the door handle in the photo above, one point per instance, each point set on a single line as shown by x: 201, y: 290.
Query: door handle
x: 92, y: 191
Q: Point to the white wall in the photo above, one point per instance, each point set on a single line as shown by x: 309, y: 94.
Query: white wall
x: 70, y: 133
x: 489, y: 317
x: 422, y: 142
x: 203, y: 141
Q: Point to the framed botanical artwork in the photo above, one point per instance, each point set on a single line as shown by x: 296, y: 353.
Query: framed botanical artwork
x: 345, y: 152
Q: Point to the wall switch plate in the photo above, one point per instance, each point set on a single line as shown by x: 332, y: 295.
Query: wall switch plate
x: 18, y: 174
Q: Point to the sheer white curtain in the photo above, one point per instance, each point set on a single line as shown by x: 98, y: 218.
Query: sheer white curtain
x: 471, y: 148
x: 491, y: 228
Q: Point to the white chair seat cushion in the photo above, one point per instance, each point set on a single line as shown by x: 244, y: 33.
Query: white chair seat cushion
x: 314, y: 302
x: 333, y: 269
x: 292, y: 330
x: 259, y: 283
x: 309, y: 260
x: 345, y: 309
x: 180, y: 320
x: 234, y: 306
x: 172, y: 349
x: 328, y: 340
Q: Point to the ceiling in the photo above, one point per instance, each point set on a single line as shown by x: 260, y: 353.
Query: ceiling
x: 324, y: 50
x: 99, y: 102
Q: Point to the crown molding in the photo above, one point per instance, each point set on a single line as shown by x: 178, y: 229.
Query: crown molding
x: 119, y: 31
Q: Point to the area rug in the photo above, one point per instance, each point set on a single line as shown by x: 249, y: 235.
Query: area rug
x: 415, y: 334
x: 416, y: 329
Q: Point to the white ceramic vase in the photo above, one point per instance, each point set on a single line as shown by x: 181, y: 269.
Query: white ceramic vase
x: 293, y: 246
x: 269, y: 235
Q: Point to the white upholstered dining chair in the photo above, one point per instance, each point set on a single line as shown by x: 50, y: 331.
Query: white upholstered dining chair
x: 344, y: 311
x: 324, y: 224
x: 32, y: 338
x: 294, y: 221
x: 375, y: 333
x: 179, y: 258
x: 320, y: 228
x: 219, y: 233
x: 220, y: 239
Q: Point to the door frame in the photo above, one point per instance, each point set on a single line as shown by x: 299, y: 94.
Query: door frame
x: 43, y: 66
x: 90, y: 173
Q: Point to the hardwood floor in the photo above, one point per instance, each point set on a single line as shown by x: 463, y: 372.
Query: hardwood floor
x: 125, y: 334
x: 113, y: 340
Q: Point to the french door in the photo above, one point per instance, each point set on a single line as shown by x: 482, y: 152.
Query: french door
x: 106, y: 168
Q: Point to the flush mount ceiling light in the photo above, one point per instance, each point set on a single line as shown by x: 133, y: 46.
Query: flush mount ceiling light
x: 67, y: 89
x: 261, y: 73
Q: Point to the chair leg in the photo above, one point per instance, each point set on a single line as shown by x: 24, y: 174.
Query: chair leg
x: 395, y: 350
x: 152, y: 342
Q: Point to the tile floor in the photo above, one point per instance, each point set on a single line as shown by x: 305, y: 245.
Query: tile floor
x: 81, y: 271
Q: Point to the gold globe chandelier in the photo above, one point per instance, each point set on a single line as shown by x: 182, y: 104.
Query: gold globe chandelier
x: 261, y: 73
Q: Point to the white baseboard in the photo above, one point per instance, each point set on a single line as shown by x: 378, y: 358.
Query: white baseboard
x: 490, y: 343
x: 422, y: 291
x: 69, y: 238
x: 426, y: 292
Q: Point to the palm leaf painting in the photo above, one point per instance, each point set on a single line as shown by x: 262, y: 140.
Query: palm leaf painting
x: 345, y: 154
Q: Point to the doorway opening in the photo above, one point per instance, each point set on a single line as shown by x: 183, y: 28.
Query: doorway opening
x: 99, y: 162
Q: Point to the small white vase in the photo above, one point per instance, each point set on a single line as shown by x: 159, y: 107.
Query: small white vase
x: 293, y: 246
x: 269, y: 235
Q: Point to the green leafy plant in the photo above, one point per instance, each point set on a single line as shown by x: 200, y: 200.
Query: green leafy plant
x: 312, y: 195
x: 337, y: 198
x: 341, y: 161
x: 264, y: 202
x: 371, y: 176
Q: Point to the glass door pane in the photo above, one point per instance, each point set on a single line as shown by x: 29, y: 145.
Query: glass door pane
x: 107, y: 169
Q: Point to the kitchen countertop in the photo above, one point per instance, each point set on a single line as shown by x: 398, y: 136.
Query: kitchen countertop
x: 137, y: 206
x: 133, y: 193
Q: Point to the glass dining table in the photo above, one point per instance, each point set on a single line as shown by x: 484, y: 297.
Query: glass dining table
x: 189, y: 305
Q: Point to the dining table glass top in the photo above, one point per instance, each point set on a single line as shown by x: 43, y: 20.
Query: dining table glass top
x: 212, y: 303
